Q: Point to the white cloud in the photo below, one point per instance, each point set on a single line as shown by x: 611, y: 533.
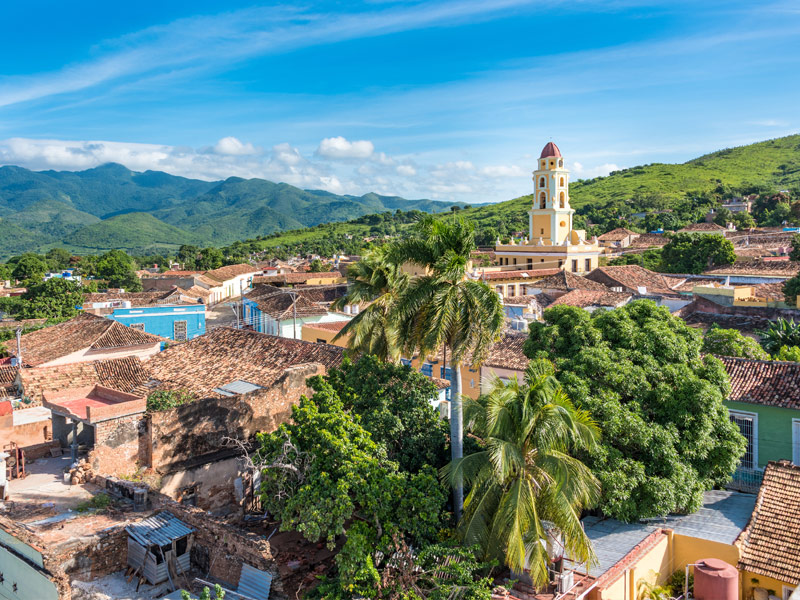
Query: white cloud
x: 581, y: 172
x: 503, y: 171
x: 342, y: 148
x: 233, y: 147
x: 406, y: 170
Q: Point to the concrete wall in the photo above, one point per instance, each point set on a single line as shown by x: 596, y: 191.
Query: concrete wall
x: 187, y: 432
x: 62, y: 431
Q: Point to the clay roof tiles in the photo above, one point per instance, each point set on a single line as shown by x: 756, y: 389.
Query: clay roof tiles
x: 701, y: 227
x: 587, y: 298
x: 225, y: 355
x: 505, y: 275
x: 764, y: 382
x: 647, y: 240
x: 761, y: 268
x: 770, y: 545
x: 135, y: 298
x: 507, y: 352
x: 81, y: 332
x: 566, y: 281
x: 223, y: 274
x: 634, y: 279
x: 616, y: 235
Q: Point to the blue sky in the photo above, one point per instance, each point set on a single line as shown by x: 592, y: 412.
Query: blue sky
x: 449, y: 100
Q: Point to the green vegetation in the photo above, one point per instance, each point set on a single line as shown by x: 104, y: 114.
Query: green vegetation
x: 52, y: 299
x: 791, y: 290
x: 134, y: 230
x: 789, y: 353
x: 779, y: 333
x: 638, y: 371
x: 696, y: 253
x: 524, y: 474
x: 729, y: 342
x: 97, y: 502
x: 119, y: 270
x: 167, y: 399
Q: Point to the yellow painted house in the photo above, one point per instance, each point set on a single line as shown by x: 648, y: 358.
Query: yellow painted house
x: 552, y: 242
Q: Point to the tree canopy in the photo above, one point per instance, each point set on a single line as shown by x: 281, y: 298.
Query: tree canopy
x: 119, y: 270
x: 29, y: 268
x: 695, y: 253
x: 729, y: 342
x: 638, y: 371
x: 52, y: 299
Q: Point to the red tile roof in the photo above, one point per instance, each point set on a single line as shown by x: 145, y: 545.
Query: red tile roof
x: 79, y: 333
x: 223, y: 274
x: 135, y: 298
x: 764, y: 382
x: 616, y: 235
x: 587, y: 298
x: 647, y: 240
x: 766, y: 268
x: 507, y: 352
x: 549, y: 150
x: 332, y: 326
x: 280, y: 305
x: 225, y: 355
x: 634, y: 279
x: 567, y: 281
x: 8, y: 376
x: 287, y: 278
x: 504, y: 275
x: 770, y: 544
x: 702, y: 227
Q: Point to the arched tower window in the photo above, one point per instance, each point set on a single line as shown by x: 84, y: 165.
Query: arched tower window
x: 542, y: 200
x: 561, y: 182
x: 560, y: 162
x: 541, y: 182
x: 561, y: 200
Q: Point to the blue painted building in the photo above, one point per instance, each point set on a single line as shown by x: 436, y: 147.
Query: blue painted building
x: 178, y: 322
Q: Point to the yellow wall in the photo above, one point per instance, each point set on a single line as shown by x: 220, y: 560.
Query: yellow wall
x: 767, y: 583
x: 688, y: 550
x: 309, y: 333
x: 654, y: 567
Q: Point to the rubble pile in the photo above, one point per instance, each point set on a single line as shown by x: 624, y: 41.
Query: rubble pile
x: 81, y: 472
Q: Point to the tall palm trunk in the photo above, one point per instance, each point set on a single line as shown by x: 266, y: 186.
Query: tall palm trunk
x: 456, y: 433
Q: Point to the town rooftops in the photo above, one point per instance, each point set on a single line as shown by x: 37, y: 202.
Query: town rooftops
x: 94, y: 403
x: 647, y: 240
x: 785, y: 269
x: 702, y: 228
x: 532, y: 274
x: 507, y: 352
x: 633, y: 279
x: 770, y: 545
x: 281, y: 306
x: 135, y: 298
x: 332, y: 326
x: 79, y: 333
x: 616, y: 235
x: 224, y: 274
x: 225, y: 355
x: 567, y: 281
x: 587, y: 298
x: 8, y: 377
x: 764, y: 382
x: 293, y: 278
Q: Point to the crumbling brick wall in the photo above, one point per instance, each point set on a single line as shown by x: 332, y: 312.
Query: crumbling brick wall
x: 199, y: 428
x: 117, y: 445
x: 98, y: 555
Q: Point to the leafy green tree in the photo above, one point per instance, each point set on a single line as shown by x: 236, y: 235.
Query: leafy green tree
x: 795, y: 252
x: 166, y: 399
x: 210, y: 259
x: 5, y: 272
x: 52, y: 299
x: 119, y: 270
x: 444, y: 309
x: 57, y: 259
x: 723, y: 216
x: 29, y: 268
x: 393, y: 403
x: 639, y: 372
x: 317, y: 266
x: 187, y: 254
x: 525, y: 473
x: 375, y: 281
x: 789, y: 353
x: 743, y: 220
x: 780, y: 333
x: 695, y: 253
x: 729, y: 342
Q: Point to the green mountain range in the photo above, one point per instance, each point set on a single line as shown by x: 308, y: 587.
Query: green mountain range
x: 113, y: 207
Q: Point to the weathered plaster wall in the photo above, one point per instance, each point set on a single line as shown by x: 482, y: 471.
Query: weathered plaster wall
x: 120, y: 445
x: 215, y: 483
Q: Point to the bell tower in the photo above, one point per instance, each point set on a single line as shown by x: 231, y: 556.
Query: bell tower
x: 550, y: 215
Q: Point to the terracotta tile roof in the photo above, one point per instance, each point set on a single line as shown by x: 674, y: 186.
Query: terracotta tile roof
x: 549, y: 150
x: 285, y: 278
x: 196, y: 292
x: 503, y: 275
x: 771, y: 542
x: 124, y: 374
x: 762, y: 268
x: 687, y: 285
x: 507, y: 352
x: 647, y: 240
x: 223, y: 274
x: 322, y: 293
x: 81, y: 332
x: 12, y: 324
x: 633, y: 279
x: 702, y: 227
x: 8, y: 375
x: 177, y: 273
x: 225, y: 355
x: 332, y: 326
x: 566, y: 281
x: 135, y: 298
x: 281, y: 306
x: 764, y: 382
x: 743, y: 323
x: 616, y: 235
x: 770, y: 291
x: 587, y: 298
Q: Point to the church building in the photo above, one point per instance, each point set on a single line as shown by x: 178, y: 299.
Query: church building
x: 551, y: 241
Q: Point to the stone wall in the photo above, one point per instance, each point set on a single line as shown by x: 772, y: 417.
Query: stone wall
x: 100, y: 554
x: 120, y: 445
x: 183, y: 434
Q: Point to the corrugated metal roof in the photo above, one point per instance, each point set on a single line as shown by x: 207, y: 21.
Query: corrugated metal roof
x: 254, y: 583
x: 159, y: 529
x: 237, y: 387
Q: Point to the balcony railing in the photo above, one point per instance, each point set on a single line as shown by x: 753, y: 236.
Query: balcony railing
x: 746, y: 480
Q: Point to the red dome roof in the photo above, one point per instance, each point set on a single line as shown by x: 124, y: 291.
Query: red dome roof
x: 550, y: 150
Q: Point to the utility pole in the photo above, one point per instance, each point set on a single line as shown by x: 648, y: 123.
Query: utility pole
x: 19, y: 347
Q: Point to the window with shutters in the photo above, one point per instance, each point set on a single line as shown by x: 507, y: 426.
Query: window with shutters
x: 748, y: 427
x: 179, y: 331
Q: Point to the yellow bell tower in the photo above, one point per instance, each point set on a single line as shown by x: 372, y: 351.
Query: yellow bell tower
x: 550, y: 215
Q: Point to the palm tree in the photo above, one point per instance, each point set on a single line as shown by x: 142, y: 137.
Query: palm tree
x: 525, y: 475
x: 443, y: 308
x: 377, y: 281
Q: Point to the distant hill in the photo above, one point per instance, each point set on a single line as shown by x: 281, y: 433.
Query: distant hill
x: 80, y: 209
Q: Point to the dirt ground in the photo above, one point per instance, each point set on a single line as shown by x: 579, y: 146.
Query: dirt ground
x: 116, y: 587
